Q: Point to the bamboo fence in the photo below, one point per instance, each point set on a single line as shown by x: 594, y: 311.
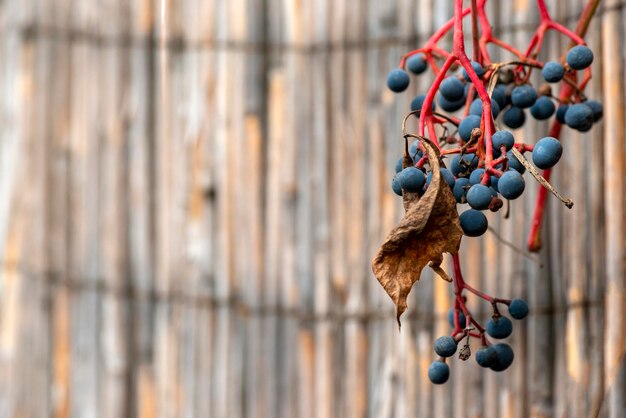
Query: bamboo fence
x: 191, y: 192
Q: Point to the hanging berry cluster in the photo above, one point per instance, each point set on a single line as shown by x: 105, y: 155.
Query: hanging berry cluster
x: 465, y: 119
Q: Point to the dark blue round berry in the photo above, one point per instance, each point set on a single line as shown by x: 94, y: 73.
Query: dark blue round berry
x: 478, y: 69
x: 514, y: 163
x: 416, y: 64
x: 411, y: 179
x: 493, y: 182
x: 560, y: 113
x: 523, y: 96
x: 445, y: 346
x: 503, y: 137
x: 579, y: 57
x: 479, y: 196
x: 511, y: 185
x: 473, y: 223
x: 417, y: 102
x: 596, y: 108
x: 399, y: 165
x: 499, y: 95
x: 476, y: 108
x: 438, y: 372
x: 514, y: 117
x: 552, y: 72
x: 445, y: 173
x: 397, y: 80
x: 414, y: 151
x: 547, y: 152
x: 504, y: 357
x: 452, y: 89
x: 476, y: 176
x: 500, y: 327
x: 543, y: 108
x: 467, y: 125
x: 395, y: 186
x: 450, y: 106
x: 518, y: 309
x: 451, y: 318
x: 486, y: 356
x: 461, y: 185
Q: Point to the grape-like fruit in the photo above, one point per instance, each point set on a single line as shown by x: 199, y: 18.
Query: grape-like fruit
x: 449, y: 105
x: 552, y: 72
x: 451, y: 318
x: 411, y: 179
x: 479, y: 197
x: 452, y: 89
x: 514, y: 117
x: 504, y: 357
x: 478, y: 69
x: 503, y: 137
x: 499, y: 327
x: 579, y: 57
x: 523, y: 96
x: 476, y: 176
x: 445, y: 346
x: 460, y: 189
x: 467, y: 125
x: 547, y: 152
x: 596, y: 108
x: 445, y: 173
x: 476, y: 108
x: 499, y: 95
x: 461, y: 165
x: 418, y: 101
x: 395, y: 186
x: 511, y: 185
x: 399, y: 165
x: 438, y: 372
x: 514, y: 163
x: 486, y: 356
x: 543, y: 108
x: 560, y: 113
x: 518, y: 309
x: 397, y: 80
x: 473, y: 223
x: 416, y: 64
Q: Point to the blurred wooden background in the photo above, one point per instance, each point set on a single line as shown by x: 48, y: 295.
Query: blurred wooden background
x: 191, y: 192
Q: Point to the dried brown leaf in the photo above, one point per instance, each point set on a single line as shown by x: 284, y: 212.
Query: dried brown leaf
x: 429, y: 228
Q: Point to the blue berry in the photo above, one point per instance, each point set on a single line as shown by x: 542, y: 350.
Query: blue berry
x: 543, y: 108
x: 523, y: 96
x: 447, y: 177
x: 476, y: 108
x: 553, y: 72
x: 411, y: 179
x: 504, y: 357
x: 596, y: 108
x: 499, y: 95
x: 476, y: 176
x: 452, y: 89
x: 445, y: 346
x: 560, y: 113
x: 505, y: 138
x: 438, y: 372
x: 479, y: 197
x: 399, y: 165
x: 579, y: 57
x: 493, y: 182
x: 514, y: 117
x: 547, y: 152
x: 518, y: 309
x: 462, y: 165
x: 473, y: 223
x: 467, y: 125
x: 486, y: 356
x: 395, y: 186
x: 451, y: 106
x: 514, y: 163
x: 397, y: 80
x: 511, y: 185
x: 451, y: 318
x: 416, y: 64
x: 478, y: 69
x: 414, y: 151
x: 417, y: 102
x: 500, y: 327
x: 461, y: 185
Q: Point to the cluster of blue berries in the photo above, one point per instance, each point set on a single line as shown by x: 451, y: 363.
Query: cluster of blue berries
x: 497, y: 357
